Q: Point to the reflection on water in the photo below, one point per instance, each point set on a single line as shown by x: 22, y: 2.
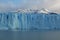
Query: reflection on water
x: 18, y: 35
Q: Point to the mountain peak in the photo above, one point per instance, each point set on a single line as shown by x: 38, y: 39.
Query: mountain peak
x: 44, y: 10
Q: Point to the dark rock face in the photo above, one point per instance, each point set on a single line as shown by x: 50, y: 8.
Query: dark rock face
x: 53, y: 13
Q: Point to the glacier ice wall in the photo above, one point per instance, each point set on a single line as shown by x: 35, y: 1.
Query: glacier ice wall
x: 29, y: 21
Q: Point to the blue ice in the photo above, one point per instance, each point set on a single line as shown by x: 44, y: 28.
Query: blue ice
x: 29, y: 21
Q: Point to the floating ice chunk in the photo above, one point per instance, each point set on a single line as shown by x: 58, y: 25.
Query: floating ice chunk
x: 3, y: 28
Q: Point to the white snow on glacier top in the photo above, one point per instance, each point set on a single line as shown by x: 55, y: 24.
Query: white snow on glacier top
x: 43, y: 10
x: 33, y: 10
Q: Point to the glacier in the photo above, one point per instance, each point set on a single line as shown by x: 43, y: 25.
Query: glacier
x: 29, y: 21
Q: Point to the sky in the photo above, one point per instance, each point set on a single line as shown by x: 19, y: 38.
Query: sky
x: 53, y: 5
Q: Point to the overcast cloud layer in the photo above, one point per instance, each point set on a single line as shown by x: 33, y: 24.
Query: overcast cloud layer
x: 33, y: 4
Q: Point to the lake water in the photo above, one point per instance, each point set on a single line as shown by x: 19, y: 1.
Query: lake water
x: 18, y: 35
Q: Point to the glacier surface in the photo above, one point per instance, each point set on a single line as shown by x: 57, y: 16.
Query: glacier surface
x: 29, y: 21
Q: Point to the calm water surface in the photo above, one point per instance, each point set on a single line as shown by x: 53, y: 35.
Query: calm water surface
x: 18, y: 35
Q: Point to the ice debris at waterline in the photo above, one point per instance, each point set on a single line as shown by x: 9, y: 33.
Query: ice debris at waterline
x: 29, y: 21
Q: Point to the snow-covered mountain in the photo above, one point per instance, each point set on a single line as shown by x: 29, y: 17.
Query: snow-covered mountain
x: 43, y: 10
x: 46, y: 11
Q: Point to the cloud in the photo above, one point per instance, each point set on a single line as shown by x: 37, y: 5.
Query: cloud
x: 7, y: 6
x: 33, y: 4
x: 53, y: 5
